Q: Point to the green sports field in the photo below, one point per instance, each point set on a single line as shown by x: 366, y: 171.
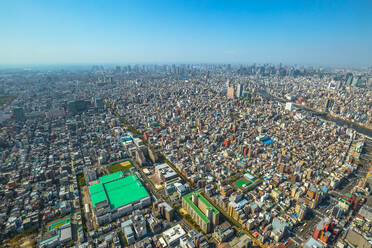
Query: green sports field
x: 243, y: 183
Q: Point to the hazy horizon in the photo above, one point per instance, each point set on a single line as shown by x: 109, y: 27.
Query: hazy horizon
x: 318, y: 33
x: 43, y: 66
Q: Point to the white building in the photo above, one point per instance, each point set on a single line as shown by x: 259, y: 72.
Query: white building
x: 289, y: 106
x: 172, y: 235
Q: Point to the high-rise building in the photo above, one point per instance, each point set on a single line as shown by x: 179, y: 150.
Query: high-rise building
x: 19, y: 114
x: 349, y: 78
x: 201, y: 211
x: 337, y: 211
x: 98, y: 102
x: 165, y: 210
x: 152, y: 154
x: 230, y: 92
x: 355, y: 81
x: 239, y: 90
x: 301, y: 210
x: 227, y: 84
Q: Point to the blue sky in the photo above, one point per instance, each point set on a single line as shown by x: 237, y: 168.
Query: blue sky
x: 77, y: 31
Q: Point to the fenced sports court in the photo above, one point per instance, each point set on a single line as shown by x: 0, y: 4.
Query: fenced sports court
x: 58, y: 223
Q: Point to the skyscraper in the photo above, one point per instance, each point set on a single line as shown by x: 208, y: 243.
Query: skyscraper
x: 227, y: 84
x: 239, y: 90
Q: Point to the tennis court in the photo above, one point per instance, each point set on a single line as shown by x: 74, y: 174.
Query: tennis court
x: 58, y: 223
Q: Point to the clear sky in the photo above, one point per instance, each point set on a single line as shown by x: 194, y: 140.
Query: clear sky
x: 325, y: 32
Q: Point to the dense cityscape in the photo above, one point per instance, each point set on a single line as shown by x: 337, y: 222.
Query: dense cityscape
x: 186, y: 155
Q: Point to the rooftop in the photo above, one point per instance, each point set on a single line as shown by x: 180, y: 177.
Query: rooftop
x: 110, y: 177
x: 173, y: 233
x: 196, y: 209
x: 118, y: 191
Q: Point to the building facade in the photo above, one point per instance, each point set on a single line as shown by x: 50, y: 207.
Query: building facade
x: 201, y: 211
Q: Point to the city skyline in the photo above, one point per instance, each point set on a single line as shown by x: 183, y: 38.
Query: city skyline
x: 316, y: 33
x: 186, y: 156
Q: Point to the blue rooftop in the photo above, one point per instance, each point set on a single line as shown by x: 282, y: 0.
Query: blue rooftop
x: 268, y: 142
